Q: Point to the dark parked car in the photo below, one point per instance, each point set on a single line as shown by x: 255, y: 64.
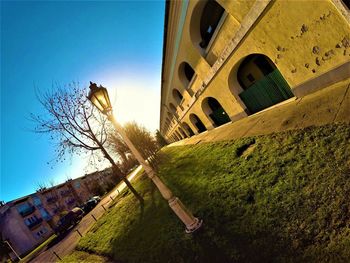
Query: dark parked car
x: 89, y: 205
x: 97, y: 198
x: 69, y: 220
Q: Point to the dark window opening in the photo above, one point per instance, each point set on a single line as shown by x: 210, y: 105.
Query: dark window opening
x: 264, y: 65
x: 188, y: 129
x: 182, y: 133
x: 198, y: 123
x: 189, y: 72
x: 177, y: 95
x: 210, y: 19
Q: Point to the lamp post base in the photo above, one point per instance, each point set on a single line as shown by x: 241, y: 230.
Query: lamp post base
x: 198, y: 223
x: 192, y: 223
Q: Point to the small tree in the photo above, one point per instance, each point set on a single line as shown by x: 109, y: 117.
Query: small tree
x: 160, y: 139
x: 141, y: 138
x: 75, y: 126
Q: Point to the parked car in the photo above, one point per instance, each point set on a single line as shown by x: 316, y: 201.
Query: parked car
x: 89, y: 205
x: 69, y: 220
x: 97, y: 198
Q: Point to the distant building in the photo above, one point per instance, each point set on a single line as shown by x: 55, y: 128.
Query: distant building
x: 28, y: 221
x: 227, y: 59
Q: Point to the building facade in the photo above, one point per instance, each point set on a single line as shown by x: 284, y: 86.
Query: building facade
x: 224, y: 60
x: 28, y: 221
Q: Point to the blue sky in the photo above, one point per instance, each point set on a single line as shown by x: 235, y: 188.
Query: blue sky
x: 117, y: 44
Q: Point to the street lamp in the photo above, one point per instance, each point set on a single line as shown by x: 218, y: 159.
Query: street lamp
x: 99, y: 98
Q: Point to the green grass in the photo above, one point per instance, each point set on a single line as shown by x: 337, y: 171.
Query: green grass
x: 82, y: 257
x: 276, y: 198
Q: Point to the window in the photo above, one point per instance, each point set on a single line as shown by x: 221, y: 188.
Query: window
x: 37, y: 201
x: 30, y: 220
x: 25, y: 209
x: 41, y: 232
x: 210, y: 18
x: 44, y: 213
x: 77, y: 185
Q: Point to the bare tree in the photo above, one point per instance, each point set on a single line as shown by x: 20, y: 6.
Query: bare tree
x: 75, y: 125
x: 41, y: 186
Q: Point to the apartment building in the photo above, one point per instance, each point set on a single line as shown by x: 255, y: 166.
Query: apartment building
x: 28, y: 221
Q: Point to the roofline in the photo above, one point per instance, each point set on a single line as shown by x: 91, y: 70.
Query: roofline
x: 165, y: 35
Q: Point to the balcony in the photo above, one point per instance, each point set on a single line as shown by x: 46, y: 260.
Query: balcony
x: 52, y: 199
x: 70, y: 201
x: 57, y: 210
x: 34, y: 224
x: 65, y: 193
x: 27, y: 211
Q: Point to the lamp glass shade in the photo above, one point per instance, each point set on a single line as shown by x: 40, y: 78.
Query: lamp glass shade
x: 99, y: 97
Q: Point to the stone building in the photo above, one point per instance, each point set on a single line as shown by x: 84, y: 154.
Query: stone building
x: 224, y: 60
x: 28, y: 221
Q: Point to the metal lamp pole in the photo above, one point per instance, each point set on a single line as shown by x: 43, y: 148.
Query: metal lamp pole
x: 5, y: 241
x: 99, y: 97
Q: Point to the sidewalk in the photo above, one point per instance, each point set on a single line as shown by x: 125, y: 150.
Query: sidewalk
x: 329, y: 105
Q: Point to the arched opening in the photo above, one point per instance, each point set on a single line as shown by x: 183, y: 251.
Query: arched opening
x: 186, y: 73
x: 262, y: 83
x: 210, y: 19
x: 197, y: 123
x: 213, y: 109
x: 177, y: 96
x: 182, y: 133
x: 178, y: 135
x: 207, y: 16
x: 347, y: 4
x: 188, y: 128
x: 173, y: 109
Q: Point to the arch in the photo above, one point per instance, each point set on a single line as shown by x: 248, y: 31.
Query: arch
x: 347, y: 4
x: 186, y: 73
x: 177, y: 96
x: 188, y: 128
x: 178, y: 135
x: 261, y: 84
x: 197, y: 123
x: 184, y: 135
x: 173, y: 109
x: 175, y: 137
x: 215, y: 112
x: 205, y: 19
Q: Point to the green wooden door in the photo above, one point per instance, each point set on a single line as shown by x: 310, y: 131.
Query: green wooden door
x: 266, y: 92
x: 219, y: 116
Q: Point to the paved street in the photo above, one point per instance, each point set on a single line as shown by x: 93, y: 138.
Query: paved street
x: 68, y: 243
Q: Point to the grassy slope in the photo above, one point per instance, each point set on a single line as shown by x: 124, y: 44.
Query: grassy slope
x: 288, y: 200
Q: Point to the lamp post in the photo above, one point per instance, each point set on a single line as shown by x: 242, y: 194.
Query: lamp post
x: 99, y: 98
x: 14, y: 252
